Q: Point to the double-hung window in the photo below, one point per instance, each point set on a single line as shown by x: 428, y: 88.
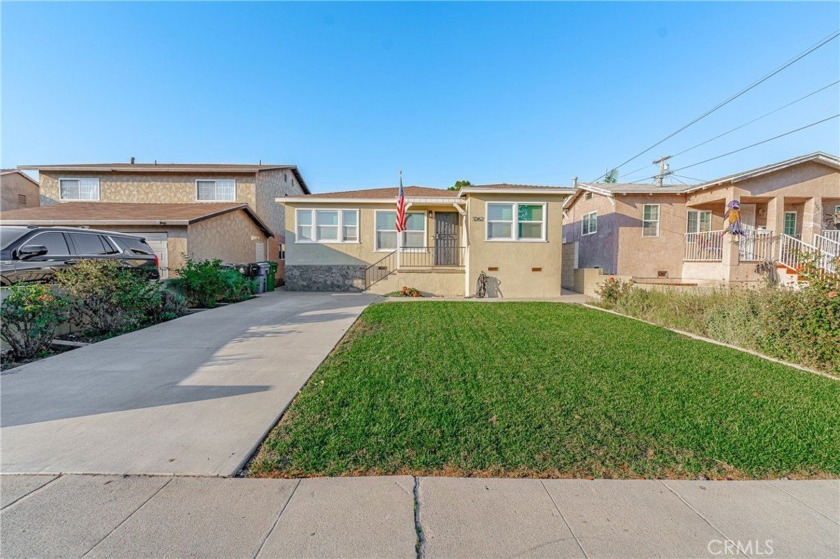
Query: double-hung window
x: 414, y: 235
x: 79, y: 189
x: 207, y: 190
x: 699, y: 221
x: 511, y: 221
x: 650, y: 220
x: 589, y: 225
x: 327, y: 226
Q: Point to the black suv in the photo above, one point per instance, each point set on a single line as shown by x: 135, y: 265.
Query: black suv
x: 31, y: 254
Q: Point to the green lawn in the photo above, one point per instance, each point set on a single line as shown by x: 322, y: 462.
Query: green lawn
x: 549, y: 390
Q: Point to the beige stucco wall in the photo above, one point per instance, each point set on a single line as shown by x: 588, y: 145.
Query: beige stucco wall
x: 361, y: 252
x: 12, y: 185
x: 151, y: 188
x: 435, y: 283
x: 599, y: 249
x: 230, y: 237
x: 515, y: 260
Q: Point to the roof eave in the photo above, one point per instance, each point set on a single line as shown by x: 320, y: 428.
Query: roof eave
x: 412, y: 199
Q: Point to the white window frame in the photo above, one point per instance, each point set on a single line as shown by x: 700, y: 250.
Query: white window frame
x: 514, y: 224
x: 315, y: 240
x: 214, y: 181
x: 401, y: 245
x: 63, y: 199
x: 583, y: 231
x: 699, y: 221
x: 658, y: 218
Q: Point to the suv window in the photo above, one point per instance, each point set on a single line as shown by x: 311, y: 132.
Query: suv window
x: 54, y: 241
x: 132, y: 245
x: 88, y: 244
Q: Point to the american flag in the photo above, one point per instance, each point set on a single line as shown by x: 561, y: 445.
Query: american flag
x: 401, y: 208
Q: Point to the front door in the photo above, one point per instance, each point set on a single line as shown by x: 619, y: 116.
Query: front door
x: 447, y: 251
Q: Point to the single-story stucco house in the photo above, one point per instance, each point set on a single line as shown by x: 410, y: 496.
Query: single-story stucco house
x: 673, y: 234
x: 231, y: 232
x: 347, y: 241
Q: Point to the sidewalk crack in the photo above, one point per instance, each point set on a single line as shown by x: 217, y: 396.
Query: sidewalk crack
x: 22, y: 497
x: 794, y: 497
x: 124, y: 520
x: 566, y: 522
x: 276, y: 521
x: 420, y: 546
x: 697, y: 512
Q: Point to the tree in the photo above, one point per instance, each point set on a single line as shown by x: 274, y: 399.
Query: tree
x: 611, y: 176
x: 459, y: 184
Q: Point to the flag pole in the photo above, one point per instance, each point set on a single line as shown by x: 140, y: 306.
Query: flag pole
x: 399, y: 233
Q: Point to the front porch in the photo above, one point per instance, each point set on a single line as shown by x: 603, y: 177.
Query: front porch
x: 437, y: 270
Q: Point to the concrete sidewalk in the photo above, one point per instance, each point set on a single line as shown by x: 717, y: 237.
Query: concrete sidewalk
x: 134, y: 516
x: 190, y: 396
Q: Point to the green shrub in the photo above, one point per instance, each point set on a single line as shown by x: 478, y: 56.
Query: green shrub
x: 171, y: 305
x: 612, y: 289
x: 800, y: 325
x: 106, y: 298
x: 29, y: 316
x: 206, y: 283
x: 237, y: 287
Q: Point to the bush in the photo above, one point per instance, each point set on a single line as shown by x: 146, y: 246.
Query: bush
x: 205, y: 283
x: 106, y: 298
x: 799, y: 325
x: 29, y: 315
x: 612, y: 289
x: 171, y: 305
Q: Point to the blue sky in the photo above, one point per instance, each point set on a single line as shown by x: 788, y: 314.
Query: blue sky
x: 353, y: 92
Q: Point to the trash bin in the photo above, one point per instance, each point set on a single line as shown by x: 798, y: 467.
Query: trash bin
x: 272, y: 274
x: 262, y: 277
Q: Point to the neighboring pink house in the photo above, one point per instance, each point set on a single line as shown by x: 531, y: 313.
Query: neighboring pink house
x: 672, y: 234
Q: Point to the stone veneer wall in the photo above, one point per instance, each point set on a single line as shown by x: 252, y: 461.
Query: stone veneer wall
x: 334, y: 277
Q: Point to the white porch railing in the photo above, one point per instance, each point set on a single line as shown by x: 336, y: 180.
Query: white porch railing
x: 829, y: 252
x: 705, y: 247
x: 756, y: 245
x: 794, y: 253
x: 831, y: 235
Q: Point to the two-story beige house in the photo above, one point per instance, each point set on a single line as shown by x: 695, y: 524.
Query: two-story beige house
x: 184, y: 210
x: 17, y: 190
x: 675, y: 234
x: 347, y: 241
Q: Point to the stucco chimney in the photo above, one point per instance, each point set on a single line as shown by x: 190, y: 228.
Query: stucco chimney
x: 574, y: 182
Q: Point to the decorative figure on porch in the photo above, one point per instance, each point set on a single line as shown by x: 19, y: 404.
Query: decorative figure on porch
x: 733, y: 218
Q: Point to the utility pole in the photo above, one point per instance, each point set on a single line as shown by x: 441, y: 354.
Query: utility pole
x: 664, y: 170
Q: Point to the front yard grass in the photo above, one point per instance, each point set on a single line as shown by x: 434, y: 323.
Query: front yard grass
x: 549, y: 390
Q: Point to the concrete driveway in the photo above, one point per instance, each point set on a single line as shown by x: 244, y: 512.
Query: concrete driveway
x: 192, y: 396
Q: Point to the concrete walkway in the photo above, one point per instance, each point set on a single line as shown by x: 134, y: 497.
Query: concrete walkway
x: 134, y: 516
x: 190, y: 396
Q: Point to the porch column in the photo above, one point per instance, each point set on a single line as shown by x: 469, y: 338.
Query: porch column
x: 729, y: 250
x: 811, y: 219
x: 776, y: 215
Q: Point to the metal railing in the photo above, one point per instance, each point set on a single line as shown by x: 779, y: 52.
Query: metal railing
x: 831, y: 235
x: 756, y: 245
x: 440, y: 255
x: 794, y: 253
x: 381, y: 269
x: 705, y: 247
x: 829, y: 250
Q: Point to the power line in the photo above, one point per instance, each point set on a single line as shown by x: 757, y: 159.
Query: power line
x: 633, y: 172
x: 755, y: 84
x: 788, y: 133
x: 756, y: 119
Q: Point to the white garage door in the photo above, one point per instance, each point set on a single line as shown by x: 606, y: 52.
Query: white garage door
x: 157, y: 241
